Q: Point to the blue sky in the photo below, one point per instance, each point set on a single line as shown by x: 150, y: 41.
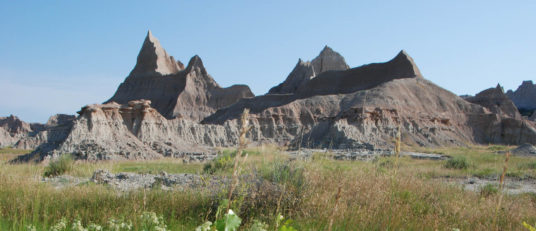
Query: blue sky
x: 57, y: 56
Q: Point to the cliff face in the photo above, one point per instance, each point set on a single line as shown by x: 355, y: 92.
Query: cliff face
x: 524, y: 97
x: 175, y: 91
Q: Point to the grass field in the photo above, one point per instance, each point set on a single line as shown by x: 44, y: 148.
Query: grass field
x: 374, y: 195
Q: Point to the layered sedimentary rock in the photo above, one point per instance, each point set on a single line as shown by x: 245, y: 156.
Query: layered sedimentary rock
x: 496, y: 101
x: 322, y: 103
x: 524, y: 97
x: 13, y: 131
x: 363, y: 107
x: 29, y: 136
x: 173, y: 90
x: 135, y: 131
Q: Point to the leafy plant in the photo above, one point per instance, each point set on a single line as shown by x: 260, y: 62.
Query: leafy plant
x: 152, y: 222
x: 229, y: 222
x: 219, y: 164
x: 284, y: 225
x: 63, y: 164
x: 529, y: 227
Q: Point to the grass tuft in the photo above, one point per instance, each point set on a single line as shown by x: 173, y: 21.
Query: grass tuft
x: 458, y: 162
x: 59, y: 166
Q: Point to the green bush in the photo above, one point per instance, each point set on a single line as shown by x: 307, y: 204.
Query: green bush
x: 59, y: 166
x: 220, y: 164
x: 458, y: 162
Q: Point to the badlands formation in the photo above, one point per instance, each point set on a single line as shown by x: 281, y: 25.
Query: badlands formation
x: 525, y: 98
x: 166, y: 109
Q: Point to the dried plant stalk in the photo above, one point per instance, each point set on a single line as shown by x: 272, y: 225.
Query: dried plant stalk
x: 501, y: 187
x: 239, y: 160
x: 332, y: 216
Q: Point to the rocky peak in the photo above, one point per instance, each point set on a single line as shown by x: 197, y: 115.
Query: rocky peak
x: 329, y: 60
x: 302, y: 72
x: 60, y: 119
x: 196, y: 64
x: 496, y: 101
x: 154, y: 60
x: 14, y: 125
x: 525, y: 96
x: 405, y: 64
x: 527, y: 83
x: 196, y: 72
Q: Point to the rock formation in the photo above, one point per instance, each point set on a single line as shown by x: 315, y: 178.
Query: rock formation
x: 362, y: 108
x: 135, y: 131
x: 533, y: 116
x: 496, y: 101
x: 321, y: 104
x: 12, y: 130
x: 21, y: 135
x: 175, y: 91
x: 524, y: 150
x: 327, y: 60
x: 524, y: 97
x: 153, y: 60
x: 302, y: 72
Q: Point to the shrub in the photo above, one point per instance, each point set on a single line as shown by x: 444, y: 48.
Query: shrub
x: 59, y: 166
x: 488, y: 190
x: 459, y: 162
x: 221, y: 163
x: 286, y: 173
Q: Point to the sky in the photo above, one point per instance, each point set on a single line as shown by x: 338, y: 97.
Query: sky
x: 57, y: 56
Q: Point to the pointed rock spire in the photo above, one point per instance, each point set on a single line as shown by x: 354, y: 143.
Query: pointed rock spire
x: 302, y: 72
x: 196, y: 64
x: 405, y: 65
x: 329, y: 60
x: 154, y: 60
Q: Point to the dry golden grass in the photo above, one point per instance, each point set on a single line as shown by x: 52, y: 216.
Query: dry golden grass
x: 369, y: 198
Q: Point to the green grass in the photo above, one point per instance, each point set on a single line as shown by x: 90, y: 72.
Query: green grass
x: 458, y: 162
x: 154, y: 167
x: 374, y: 195
x: 14, y: 151
x: 60, y: 166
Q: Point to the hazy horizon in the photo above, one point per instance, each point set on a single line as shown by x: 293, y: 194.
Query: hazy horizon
x: 59, y: 56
